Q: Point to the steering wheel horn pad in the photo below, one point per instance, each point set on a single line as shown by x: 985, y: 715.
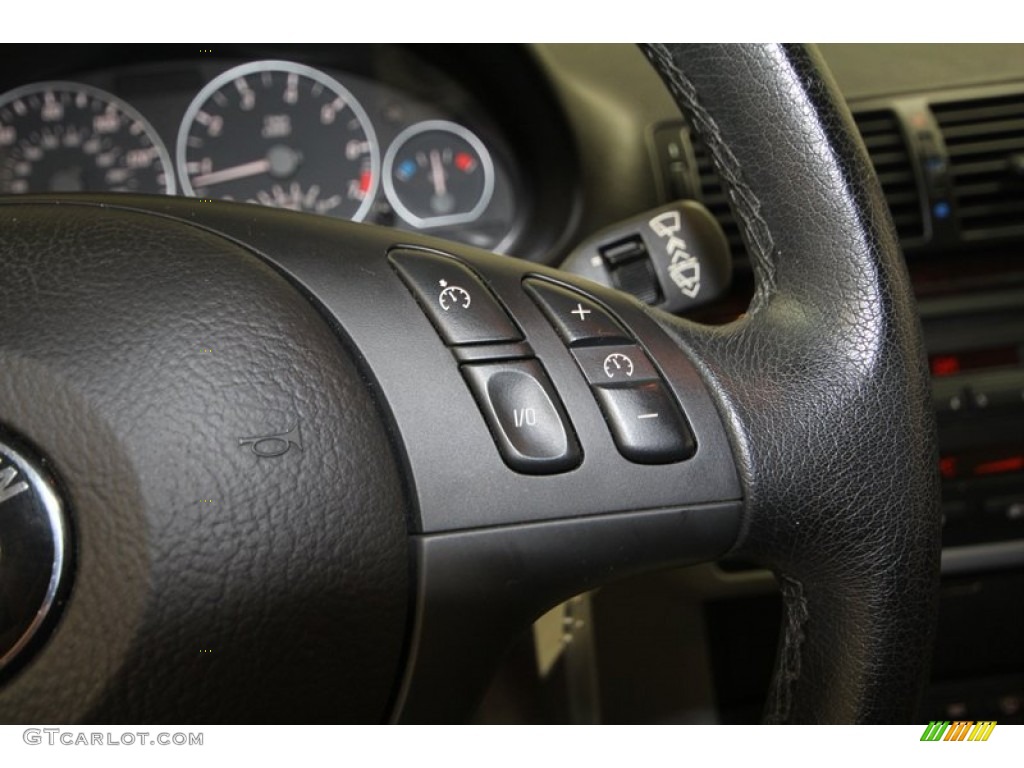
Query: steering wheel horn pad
x: 145, y: 355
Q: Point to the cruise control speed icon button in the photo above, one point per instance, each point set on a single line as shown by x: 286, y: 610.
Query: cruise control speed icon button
x: 461, y: 307
x: 618, y: 366
x: 453, y: 296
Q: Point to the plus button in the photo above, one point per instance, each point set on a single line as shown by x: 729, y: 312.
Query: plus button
x: 581, y: 311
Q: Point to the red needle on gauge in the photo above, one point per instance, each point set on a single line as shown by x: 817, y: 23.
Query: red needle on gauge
x: 242, y: 171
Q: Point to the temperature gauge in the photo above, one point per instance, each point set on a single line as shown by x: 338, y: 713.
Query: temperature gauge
x: 438, y: 174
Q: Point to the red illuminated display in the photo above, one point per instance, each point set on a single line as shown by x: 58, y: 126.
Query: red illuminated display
x: 973, y: 360
x: 1000, y: 466
x: 945, y: 365
x: 952, y: 467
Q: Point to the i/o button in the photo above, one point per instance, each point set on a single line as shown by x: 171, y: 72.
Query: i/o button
x: 525, y: 416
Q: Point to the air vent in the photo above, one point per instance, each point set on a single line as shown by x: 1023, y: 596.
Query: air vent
x: 887, y: 148
x: 985, y: 141
x: 712, y: 194
x: 888, y: 151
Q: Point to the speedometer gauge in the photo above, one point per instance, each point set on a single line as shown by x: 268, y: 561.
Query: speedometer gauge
x: 283, y: 135
x: 68, y: 137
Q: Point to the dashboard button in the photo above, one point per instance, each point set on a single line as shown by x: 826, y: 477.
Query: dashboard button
x: 461, y: 307
x: 645, y: 423
x: 525, y: 416
x: 578, y: 319
x: 622, y: 364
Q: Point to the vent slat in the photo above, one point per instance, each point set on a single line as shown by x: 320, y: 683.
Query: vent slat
x: 874, y: 123
x: 986, y: 207
x: 986, y: 189
x: 987, y: 147
x: 954, y: 113
x: 895, y: 179
x: 908, y: 197
x: 888, y: 152
x: 966, y: 169
x: 713, y: 195
x: 883, y: 142
x: 981, y: 136
x: 905, y: 219
x: 956, y: 134
x: 896, y: 159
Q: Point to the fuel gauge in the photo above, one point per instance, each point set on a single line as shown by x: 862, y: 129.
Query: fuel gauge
x: 438, y: 173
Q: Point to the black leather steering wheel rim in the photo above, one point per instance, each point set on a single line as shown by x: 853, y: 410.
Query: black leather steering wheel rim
x: 826, y: 382
x: 353, y: 571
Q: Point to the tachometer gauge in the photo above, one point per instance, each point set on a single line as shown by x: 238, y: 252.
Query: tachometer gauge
x: 437, y: 173
x: 68, y: 137
x: 283, y: 135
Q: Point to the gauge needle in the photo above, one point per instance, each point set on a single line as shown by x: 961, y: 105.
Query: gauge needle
x: 437, y: 171
x: 242, y: 171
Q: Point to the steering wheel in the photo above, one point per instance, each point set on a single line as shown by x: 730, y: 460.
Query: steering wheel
x: 315, y: 471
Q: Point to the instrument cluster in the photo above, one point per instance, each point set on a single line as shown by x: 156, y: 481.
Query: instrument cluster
x: 269, y: 132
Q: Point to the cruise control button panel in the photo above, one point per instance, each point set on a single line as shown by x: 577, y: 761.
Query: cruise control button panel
x: 645, y: 423
x: 519, y: 403
x: 524, y: 415
x: 463, y: 310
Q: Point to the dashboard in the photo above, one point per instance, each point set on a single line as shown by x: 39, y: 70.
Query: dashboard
x: 382, y: 135
x: 527, y: 150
